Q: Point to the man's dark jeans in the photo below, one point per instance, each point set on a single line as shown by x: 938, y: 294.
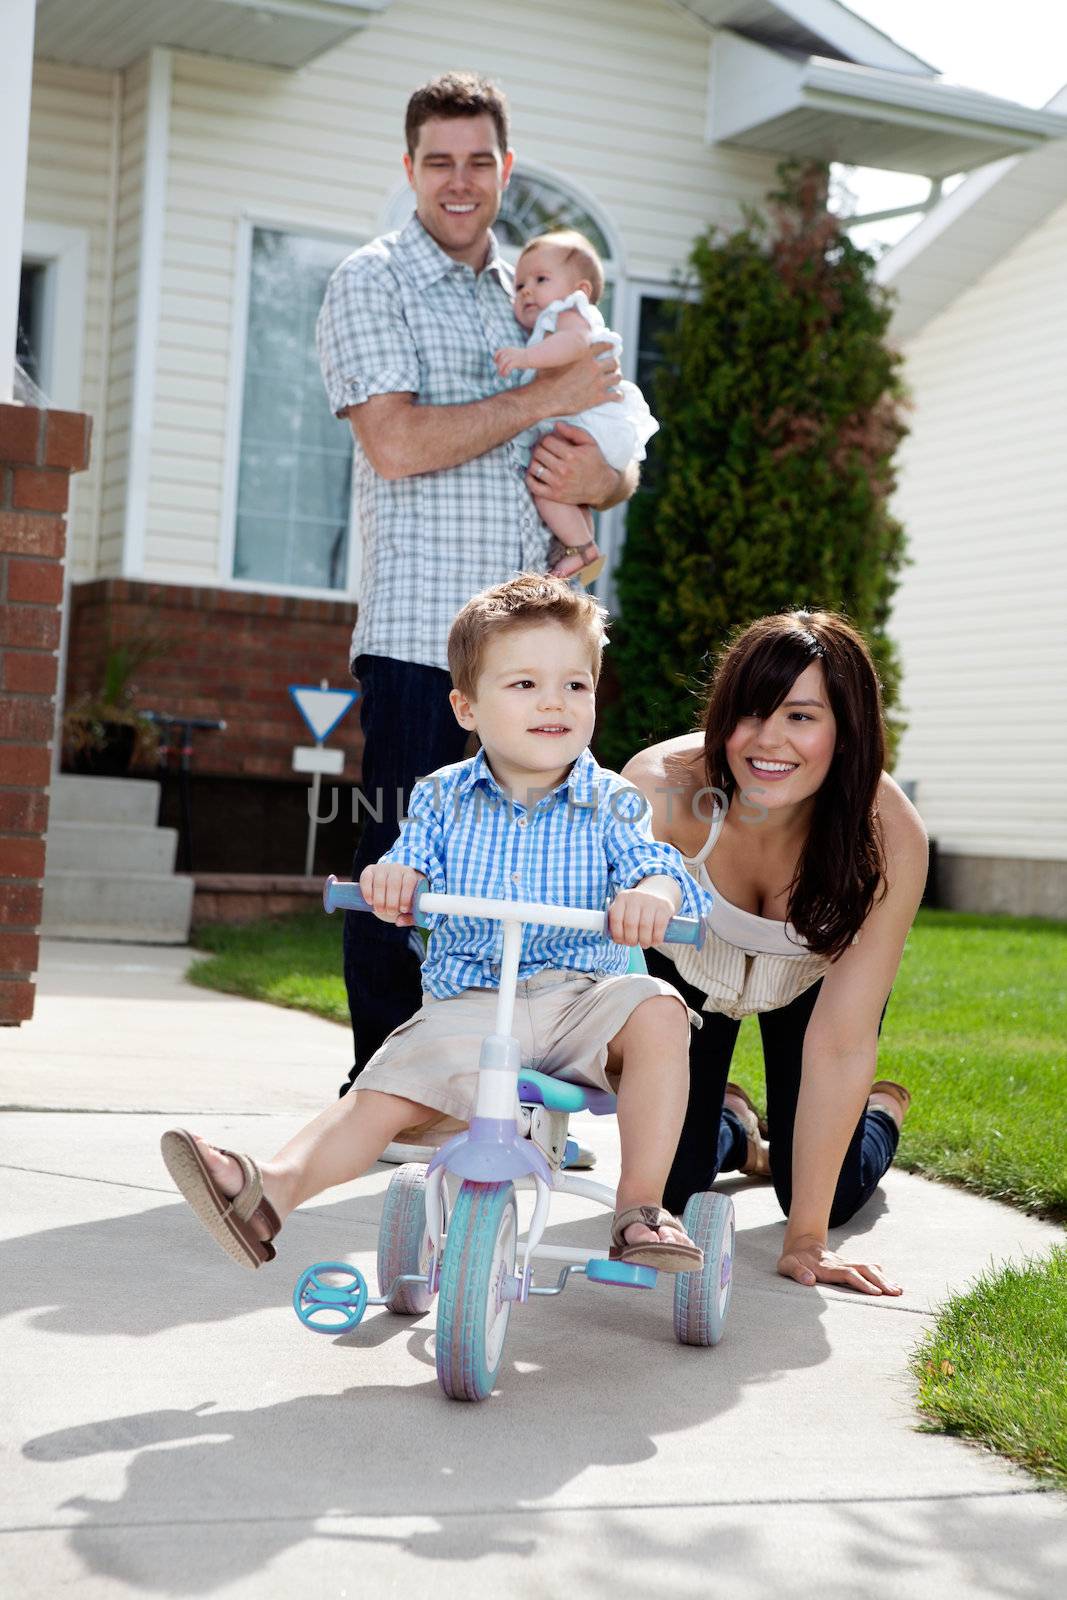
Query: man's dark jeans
x: 409, y: 730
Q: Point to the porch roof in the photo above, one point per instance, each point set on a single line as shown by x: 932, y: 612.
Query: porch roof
x: 815, y: 108
x: 110, y: 34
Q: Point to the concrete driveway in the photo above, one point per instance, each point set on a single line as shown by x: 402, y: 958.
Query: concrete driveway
x: 171, y: 1429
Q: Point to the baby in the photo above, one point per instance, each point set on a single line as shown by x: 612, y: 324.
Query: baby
x: 558, y: 281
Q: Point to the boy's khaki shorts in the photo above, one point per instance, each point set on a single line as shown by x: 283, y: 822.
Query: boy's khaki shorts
x: 563, y: 1021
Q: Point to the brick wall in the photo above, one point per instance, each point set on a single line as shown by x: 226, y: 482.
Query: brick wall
x: 38, y: 452
x: 223, y: 654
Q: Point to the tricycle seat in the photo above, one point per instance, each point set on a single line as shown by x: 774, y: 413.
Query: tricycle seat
x: 556, y: 1094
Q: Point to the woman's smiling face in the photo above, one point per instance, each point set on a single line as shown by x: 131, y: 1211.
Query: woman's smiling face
x: 784, y: 758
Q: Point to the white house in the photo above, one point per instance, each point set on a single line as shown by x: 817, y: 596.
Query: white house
x: 196, y: 168
x: 980, y: 615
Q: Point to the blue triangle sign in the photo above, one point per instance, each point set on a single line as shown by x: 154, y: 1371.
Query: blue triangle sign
x: 322, y: 709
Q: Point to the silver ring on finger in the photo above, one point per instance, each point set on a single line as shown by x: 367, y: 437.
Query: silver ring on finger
x: 539, y: 471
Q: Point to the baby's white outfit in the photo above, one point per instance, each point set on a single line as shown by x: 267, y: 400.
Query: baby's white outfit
x: 621, y: 428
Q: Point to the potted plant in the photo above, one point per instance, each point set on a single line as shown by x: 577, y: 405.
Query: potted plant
x: 102, y: 729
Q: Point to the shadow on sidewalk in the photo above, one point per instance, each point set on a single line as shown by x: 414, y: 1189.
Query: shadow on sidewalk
x: 213, y: 1494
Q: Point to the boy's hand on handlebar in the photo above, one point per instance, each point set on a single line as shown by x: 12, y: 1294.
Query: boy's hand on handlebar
x: 390, y: 889
x: 640, y: 915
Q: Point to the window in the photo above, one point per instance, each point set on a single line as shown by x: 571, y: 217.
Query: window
x: 29, y: 347
x: 295, y: 467
x: 655, y: 316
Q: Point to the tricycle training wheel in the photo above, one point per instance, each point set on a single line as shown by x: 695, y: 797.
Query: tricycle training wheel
x: 472, y: 1310
x: 404, y: 1240
x: 330, y: 1307
x: 702, y: 1299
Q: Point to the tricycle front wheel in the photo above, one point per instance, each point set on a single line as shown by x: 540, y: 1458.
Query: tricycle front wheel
x: 702, y: 1299
x: 473, y: 1307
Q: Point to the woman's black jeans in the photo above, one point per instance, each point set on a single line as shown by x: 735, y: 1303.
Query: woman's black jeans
x: 713, y: 1139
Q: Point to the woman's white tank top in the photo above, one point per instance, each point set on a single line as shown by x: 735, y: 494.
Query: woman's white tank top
x: 748, y: 963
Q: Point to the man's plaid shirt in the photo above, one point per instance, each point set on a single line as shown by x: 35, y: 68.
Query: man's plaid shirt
x: 400, y: 316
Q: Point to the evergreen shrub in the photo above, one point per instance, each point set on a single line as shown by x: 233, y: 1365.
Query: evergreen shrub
x: 780, y: 408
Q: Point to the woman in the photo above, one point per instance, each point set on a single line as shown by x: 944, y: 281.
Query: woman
x: 817, y: 864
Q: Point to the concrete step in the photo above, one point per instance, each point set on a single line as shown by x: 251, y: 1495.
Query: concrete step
x: 110, y: 847
x: 116, y: 800
x: 138, y: 907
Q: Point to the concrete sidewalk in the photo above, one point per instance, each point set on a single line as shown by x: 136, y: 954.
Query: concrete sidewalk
x: 174, y: 1431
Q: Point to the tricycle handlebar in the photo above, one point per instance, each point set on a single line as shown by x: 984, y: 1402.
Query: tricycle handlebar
x: 337, y: 895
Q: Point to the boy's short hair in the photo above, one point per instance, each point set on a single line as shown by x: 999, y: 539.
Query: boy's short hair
x: 578, y: 251
x: 456, y: 94
x: 522, y: 602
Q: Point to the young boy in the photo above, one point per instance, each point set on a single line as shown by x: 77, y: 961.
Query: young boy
x: 530, y: 817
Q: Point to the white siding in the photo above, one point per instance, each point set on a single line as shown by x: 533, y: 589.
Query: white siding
x: 116, y: 440
x: 69, y: 184
x: 980, y: 616
x: 610, y: 96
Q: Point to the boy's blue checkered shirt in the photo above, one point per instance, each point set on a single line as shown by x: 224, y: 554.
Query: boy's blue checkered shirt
x: 577, y: 846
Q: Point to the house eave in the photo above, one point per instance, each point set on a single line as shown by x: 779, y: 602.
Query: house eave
x: 111, y: 34
x: 811, y: 28
x: 970, y: 230
x: 816, y: 109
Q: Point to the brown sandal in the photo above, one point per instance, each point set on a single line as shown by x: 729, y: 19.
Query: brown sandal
x: 895, y: 1091
x: 664, y: 1254
x: 227, y: 1218
x: 591, y: 565
x: 757, y: 1162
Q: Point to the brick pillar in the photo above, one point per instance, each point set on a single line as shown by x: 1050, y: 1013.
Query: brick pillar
x: 38, y: 452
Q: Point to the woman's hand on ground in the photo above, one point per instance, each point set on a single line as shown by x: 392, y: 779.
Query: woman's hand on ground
x: 810, y: 1261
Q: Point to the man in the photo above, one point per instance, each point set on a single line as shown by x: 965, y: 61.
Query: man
x: 406, y: 338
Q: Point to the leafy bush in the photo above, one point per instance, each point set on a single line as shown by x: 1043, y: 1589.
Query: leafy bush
x: 780, y: 408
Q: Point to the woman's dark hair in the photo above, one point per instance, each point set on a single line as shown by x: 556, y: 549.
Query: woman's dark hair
x: 841, y: 871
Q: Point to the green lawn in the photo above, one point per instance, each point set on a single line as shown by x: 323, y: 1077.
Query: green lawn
x: 993, y: 1368
x: 975, y: 1029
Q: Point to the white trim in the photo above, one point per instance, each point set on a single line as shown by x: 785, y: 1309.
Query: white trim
x: 149, y: 292
x: 64, y: 253
x: 249, y: 219
x: 106, y: 353
x: 16, y: 82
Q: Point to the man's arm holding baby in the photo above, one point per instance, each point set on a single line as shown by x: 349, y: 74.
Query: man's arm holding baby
x: 402, y: 439
x: 567, y: 464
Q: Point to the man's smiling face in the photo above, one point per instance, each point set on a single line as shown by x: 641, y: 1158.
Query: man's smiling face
x: 459, y: 175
